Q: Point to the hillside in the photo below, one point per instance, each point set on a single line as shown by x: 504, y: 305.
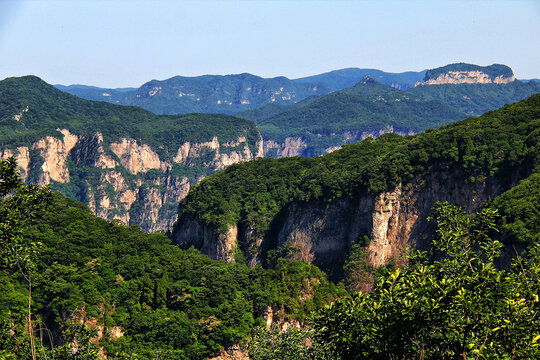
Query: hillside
x: 319, y: 125
x: 124, y: 162
x: 141, y: 297
x: 476, y: 99
x: 377, y: 193
x: 225, y: 94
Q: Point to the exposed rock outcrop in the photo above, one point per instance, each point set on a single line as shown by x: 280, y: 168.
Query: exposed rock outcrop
x: 322, y: 233
x: 466, y: 77
x: 468, y: 74
x: 114, y: 178
x: 22, y: 156
x: 54, y: 152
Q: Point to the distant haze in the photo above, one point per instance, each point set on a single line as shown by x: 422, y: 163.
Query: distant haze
x: 126, y: 43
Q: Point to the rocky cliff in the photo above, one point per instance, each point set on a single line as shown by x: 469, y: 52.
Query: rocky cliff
x: 468, y: 74
x: 304, y: 145
x: 126, y: 179
x: 322, y: 233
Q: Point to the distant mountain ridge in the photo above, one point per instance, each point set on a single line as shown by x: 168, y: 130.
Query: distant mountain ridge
x: 235, y: 93
x: 226, y: 94
x: 316, y: 126
x: 341, y: 79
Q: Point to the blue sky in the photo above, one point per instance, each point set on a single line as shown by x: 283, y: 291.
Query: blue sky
x: 126, y: 43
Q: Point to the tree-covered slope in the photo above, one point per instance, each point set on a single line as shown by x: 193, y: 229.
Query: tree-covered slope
x: 125, y: 162
x: 520, y: 211
x: 368, y: 108
x: 476, y: 99
x: 280, y: 200
x: 147, y: 296
x: 226, y: 94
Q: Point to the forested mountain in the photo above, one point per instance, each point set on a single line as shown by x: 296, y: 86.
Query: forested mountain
x: 100, y: 288
x: 124, y: 162
x: 318, y: 125
x: 475, y: 99
x: 344, y: 78
x: 377, y: 193
x: 225, y: 94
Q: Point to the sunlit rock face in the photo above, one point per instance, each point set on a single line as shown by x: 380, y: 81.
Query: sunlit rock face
x: 125, y: 179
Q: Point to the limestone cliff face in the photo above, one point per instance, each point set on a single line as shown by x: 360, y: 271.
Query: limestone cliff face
x: 224, y: 154
x: 137, y: 158
x: 466, y: 77
x: 322, y: 233
x: 22, y: 156
x: 54, y: 152
x: 125, y: 179
x: 292, y: 146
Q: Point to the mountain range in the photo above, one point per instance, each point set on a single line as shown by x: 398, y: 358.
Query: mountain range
x: 230, y: 94
x: 260, y: 245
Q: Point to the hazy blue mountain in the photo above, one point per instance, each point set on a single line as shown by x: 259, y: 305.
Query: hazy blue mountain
x: 96, y: 93
x: 225, y: 94
x: 340, y: 79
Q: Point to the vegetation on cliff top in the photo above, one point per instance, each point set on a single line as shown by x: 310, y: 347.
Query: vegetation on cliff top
x: 492, y: 71
x: 481, y: 147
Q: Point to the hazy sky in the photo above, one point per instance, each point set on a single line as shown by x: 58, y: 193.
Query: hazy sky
x: 126, y: 43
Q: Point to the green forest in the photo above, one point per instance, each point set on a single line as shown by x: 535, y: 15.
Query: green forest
x: 74, y: 286
x: 151, y: 300
x: 165, y: 300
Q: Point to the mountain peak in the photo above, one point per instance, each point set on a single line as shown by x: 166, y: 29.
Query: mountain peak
x: 367, y: 80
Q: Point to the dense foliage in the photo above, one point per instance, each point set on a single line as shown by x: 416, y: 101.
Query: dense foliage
x: 496, y: 144
x: 458, y: 306
x: 520, y: 210
x: 163, y: 298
